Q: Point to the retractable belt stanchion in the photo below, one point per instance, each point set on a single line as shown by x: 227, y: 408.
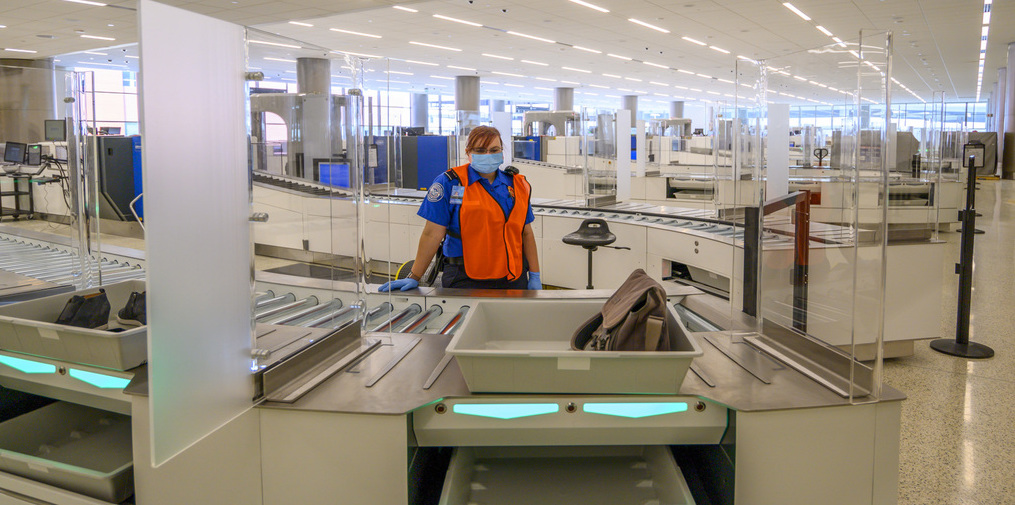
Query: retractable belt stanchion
x: 961, y: 346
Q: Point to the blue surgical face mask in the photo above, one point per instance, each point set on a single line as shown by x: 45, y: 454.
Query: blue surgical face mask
x: 487, y: 163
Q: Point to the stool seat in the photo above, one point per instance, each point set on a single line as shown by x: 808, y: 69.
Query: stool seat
x: 592, y: 233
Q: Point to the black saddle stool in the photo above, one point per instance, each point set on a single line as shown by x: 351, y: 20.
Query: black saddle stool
x: 592, y: 234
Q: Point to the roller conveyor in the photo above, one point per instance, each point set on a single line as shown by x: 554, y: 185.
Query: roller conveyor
x: 331, y: 320
x: 60, y: 266
x: 394, y: 322
x: 419, y: 324
x: 309, y: 312
x: 455, y: 322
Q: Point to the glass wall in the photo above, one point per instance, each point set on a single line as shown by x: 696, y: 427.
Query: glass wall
x: 966, y: 116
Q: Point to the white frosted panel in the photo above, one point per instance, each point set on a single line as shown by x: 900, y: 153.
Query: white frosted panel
x: 196, y: 214
x: 623, y: 155
x: 639, y: 166
x: 778, y: 151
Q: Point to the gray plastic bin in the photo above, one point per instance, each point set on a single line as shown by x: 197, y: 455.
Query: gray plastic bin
x: 73, y: 447
x: 524, y: 346
x: 28, y: 327
x: 564, y: 476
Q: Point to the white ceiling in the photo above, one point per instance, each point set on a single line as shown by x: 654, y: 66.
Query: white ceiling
x: 936, y: 41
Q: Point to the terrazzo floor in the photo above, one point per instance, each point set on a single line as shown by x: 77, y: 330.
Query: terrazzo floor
x: 958, y: 431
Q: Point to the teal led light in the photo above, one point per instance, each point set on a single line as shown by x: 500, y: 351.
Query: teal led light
x: 99, y: 380
x: 27, y: 366
x: 635, y: 410
x: 505, y: 410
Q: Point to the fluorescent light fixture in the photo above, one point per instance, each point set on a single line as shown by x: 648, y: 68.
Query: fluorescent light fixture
x: 613, y: 76
x: 824, y: 30
x: 427, y: 63
x: 350, y: 32
x: 513, y: 85
x: 590, y: 6
x: 986, y: 17
x: 695, y: 89
x: 660, y: 94
x: 854, y: 53
x: 533, y: 37
x: 599, y: 86
x: 721, y: 50
x: 297, y: 23
x: 290, y: 71
x: 682, y: 71
x: 435, y: 46
x: 680, y: 87
x: 742, y: 57
x: 612, y: 96
x: 96, y: 37
x: 839, y: 41
x: 577, y: 70
x: 95, y: 53
x: 359, y: 54
x: 507, y: 74
x: 590, y: 94
x: 727, y: 81
x: 283, y: 60
x: 499, y: 57
x: 649, y: 63
x: 435, y: 85
x: 87, y: 2
x: 570, y: 82
x: 462, y: 68
x: 536, y: 63
x: 3, y: 26
x: 797, y: 77
x: 635, y: 79
x: 646, y: 25
x: 544, y: 89
x: 659, y: 83
x: 397, y: 72
x: 441, y: 77
x: 546, y: 79
x: 694, y: 41
x: 625, y: 90
x: 456, y: 20
x: 276, y: 44
x: 401, y: 8
x: 796, y: 11
x: 986, y: 29
x: 641, y: 92
x: 490, y: 82
x: 138, y: 57
x: 619, y: 57
x: 580, y: 48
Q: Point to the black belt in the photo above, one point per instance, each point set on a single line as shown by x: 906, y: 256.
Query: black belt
x: 458, y: 260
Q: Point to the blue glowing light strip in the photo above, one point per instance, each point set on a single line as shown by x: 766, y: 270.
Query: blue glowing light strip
x: 99, y: 380
x: 27, y: 366
x: 505, y: 410
x: 635, y: 410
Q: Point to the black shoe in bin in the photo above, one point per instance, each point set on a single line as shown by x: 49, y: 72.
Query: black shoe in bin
x: 88, y: 311
x: 133, y: 313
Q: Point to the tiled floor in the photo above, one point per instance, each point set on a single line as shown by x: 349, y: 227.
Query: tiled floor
x: 958, y: 431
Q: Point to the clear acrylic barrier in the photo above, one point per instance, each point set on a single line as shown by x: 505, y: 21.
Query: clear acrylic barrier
x: 822, y: 247
x: 64, y: 179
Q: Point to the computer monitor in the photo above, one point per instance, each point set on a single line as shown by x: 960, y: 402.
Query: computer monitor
x: 56, y: 130
x: 109, y: 130
x: 34, y: 155
x: 15, y: 152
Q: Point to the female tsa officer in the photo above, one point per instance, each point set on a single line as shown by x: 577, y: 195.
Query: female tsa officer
x: 485, y: 214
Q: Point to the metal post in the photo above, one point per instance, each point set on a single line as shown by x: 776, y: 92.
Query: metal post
x: 961, y: 346
x: 752, y: 251
x: 801, y: 259
x: 590, y: 269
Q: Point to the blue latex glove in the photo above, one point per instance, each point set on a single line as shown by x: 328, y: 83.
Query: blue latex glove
x: 534, y: 282
x: 402, y: 285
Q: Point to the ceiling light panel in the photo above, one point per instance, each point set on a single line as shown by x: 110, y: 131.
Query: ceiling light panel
x: 435, y: 46
x: 649, y: 26
x: 350, y: 32
x: 590, y: 6
x: 456, y: 20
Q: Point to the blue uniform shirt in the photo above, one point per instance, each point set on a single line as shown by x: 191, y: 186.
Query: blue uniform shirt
x: 437, y: 207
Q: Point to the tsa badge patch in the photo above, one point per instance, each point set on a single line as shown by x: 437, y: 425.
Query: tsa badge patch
x: 436, y: 192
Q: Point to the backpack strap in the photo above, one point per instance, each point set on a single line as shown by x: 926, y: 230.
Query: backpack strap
x: 454, y: 180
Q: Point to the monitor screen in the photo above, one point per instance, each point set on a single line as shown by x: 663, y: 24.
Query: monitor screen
x: 15, y: 152
x: 34, y: 156
x: 56, y: 130
x: 109, y: 130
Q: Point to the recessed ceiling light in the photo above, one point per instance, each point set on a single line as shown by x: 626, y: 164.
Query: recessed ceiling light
x: 87, y: 2
x: 507, y: 74
x: 590, y: 6
x: 97, y: 37
x: 545, y: 89
x: 435, y: 46
x: 612, y: 75
x: 658, y: 83
x: 499, y: 57
x: 536, y: 63
x: 599, y: 86
x: 721, y: 50
x: 276, y: 44
x: 427, y: 63
x: 635, y: 79
x: 546, y: 79
x: 682, y: 71
x: 577, y: 70
x: 824, y: 30
x: 456, y: 20
x: 14, y: 50
x: 297, y: 23
x: 533, y: 37
x: 619, y: 57
x: 570, y: 82
x: 95, y: 53
x: 514, y: 85
x: 796, y: 11
x: 133, y: 57
x: 269, y: 58
x: 442, y: 77
x: 646, y: 25
x: 350, y: 32
x: 580, y: 48
x: 649, y: 63
x: 694, y: 41
x: 461, y: 68
x: 406, y: 9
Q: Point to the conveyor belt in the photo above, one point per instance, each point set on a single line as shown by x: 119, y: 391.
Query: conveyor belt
x: 60, y: 266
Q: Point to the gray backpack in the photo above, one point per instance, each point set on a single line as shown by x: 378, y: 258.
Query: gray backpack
x: 633, y: 319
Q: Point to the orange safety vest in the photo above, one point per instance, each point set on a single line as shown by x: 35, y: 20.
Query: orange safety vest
x: 491, y: 244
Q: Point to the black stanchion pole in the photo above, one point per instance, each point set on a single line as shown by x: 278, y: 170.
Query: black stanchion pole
x: 961, y: 346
